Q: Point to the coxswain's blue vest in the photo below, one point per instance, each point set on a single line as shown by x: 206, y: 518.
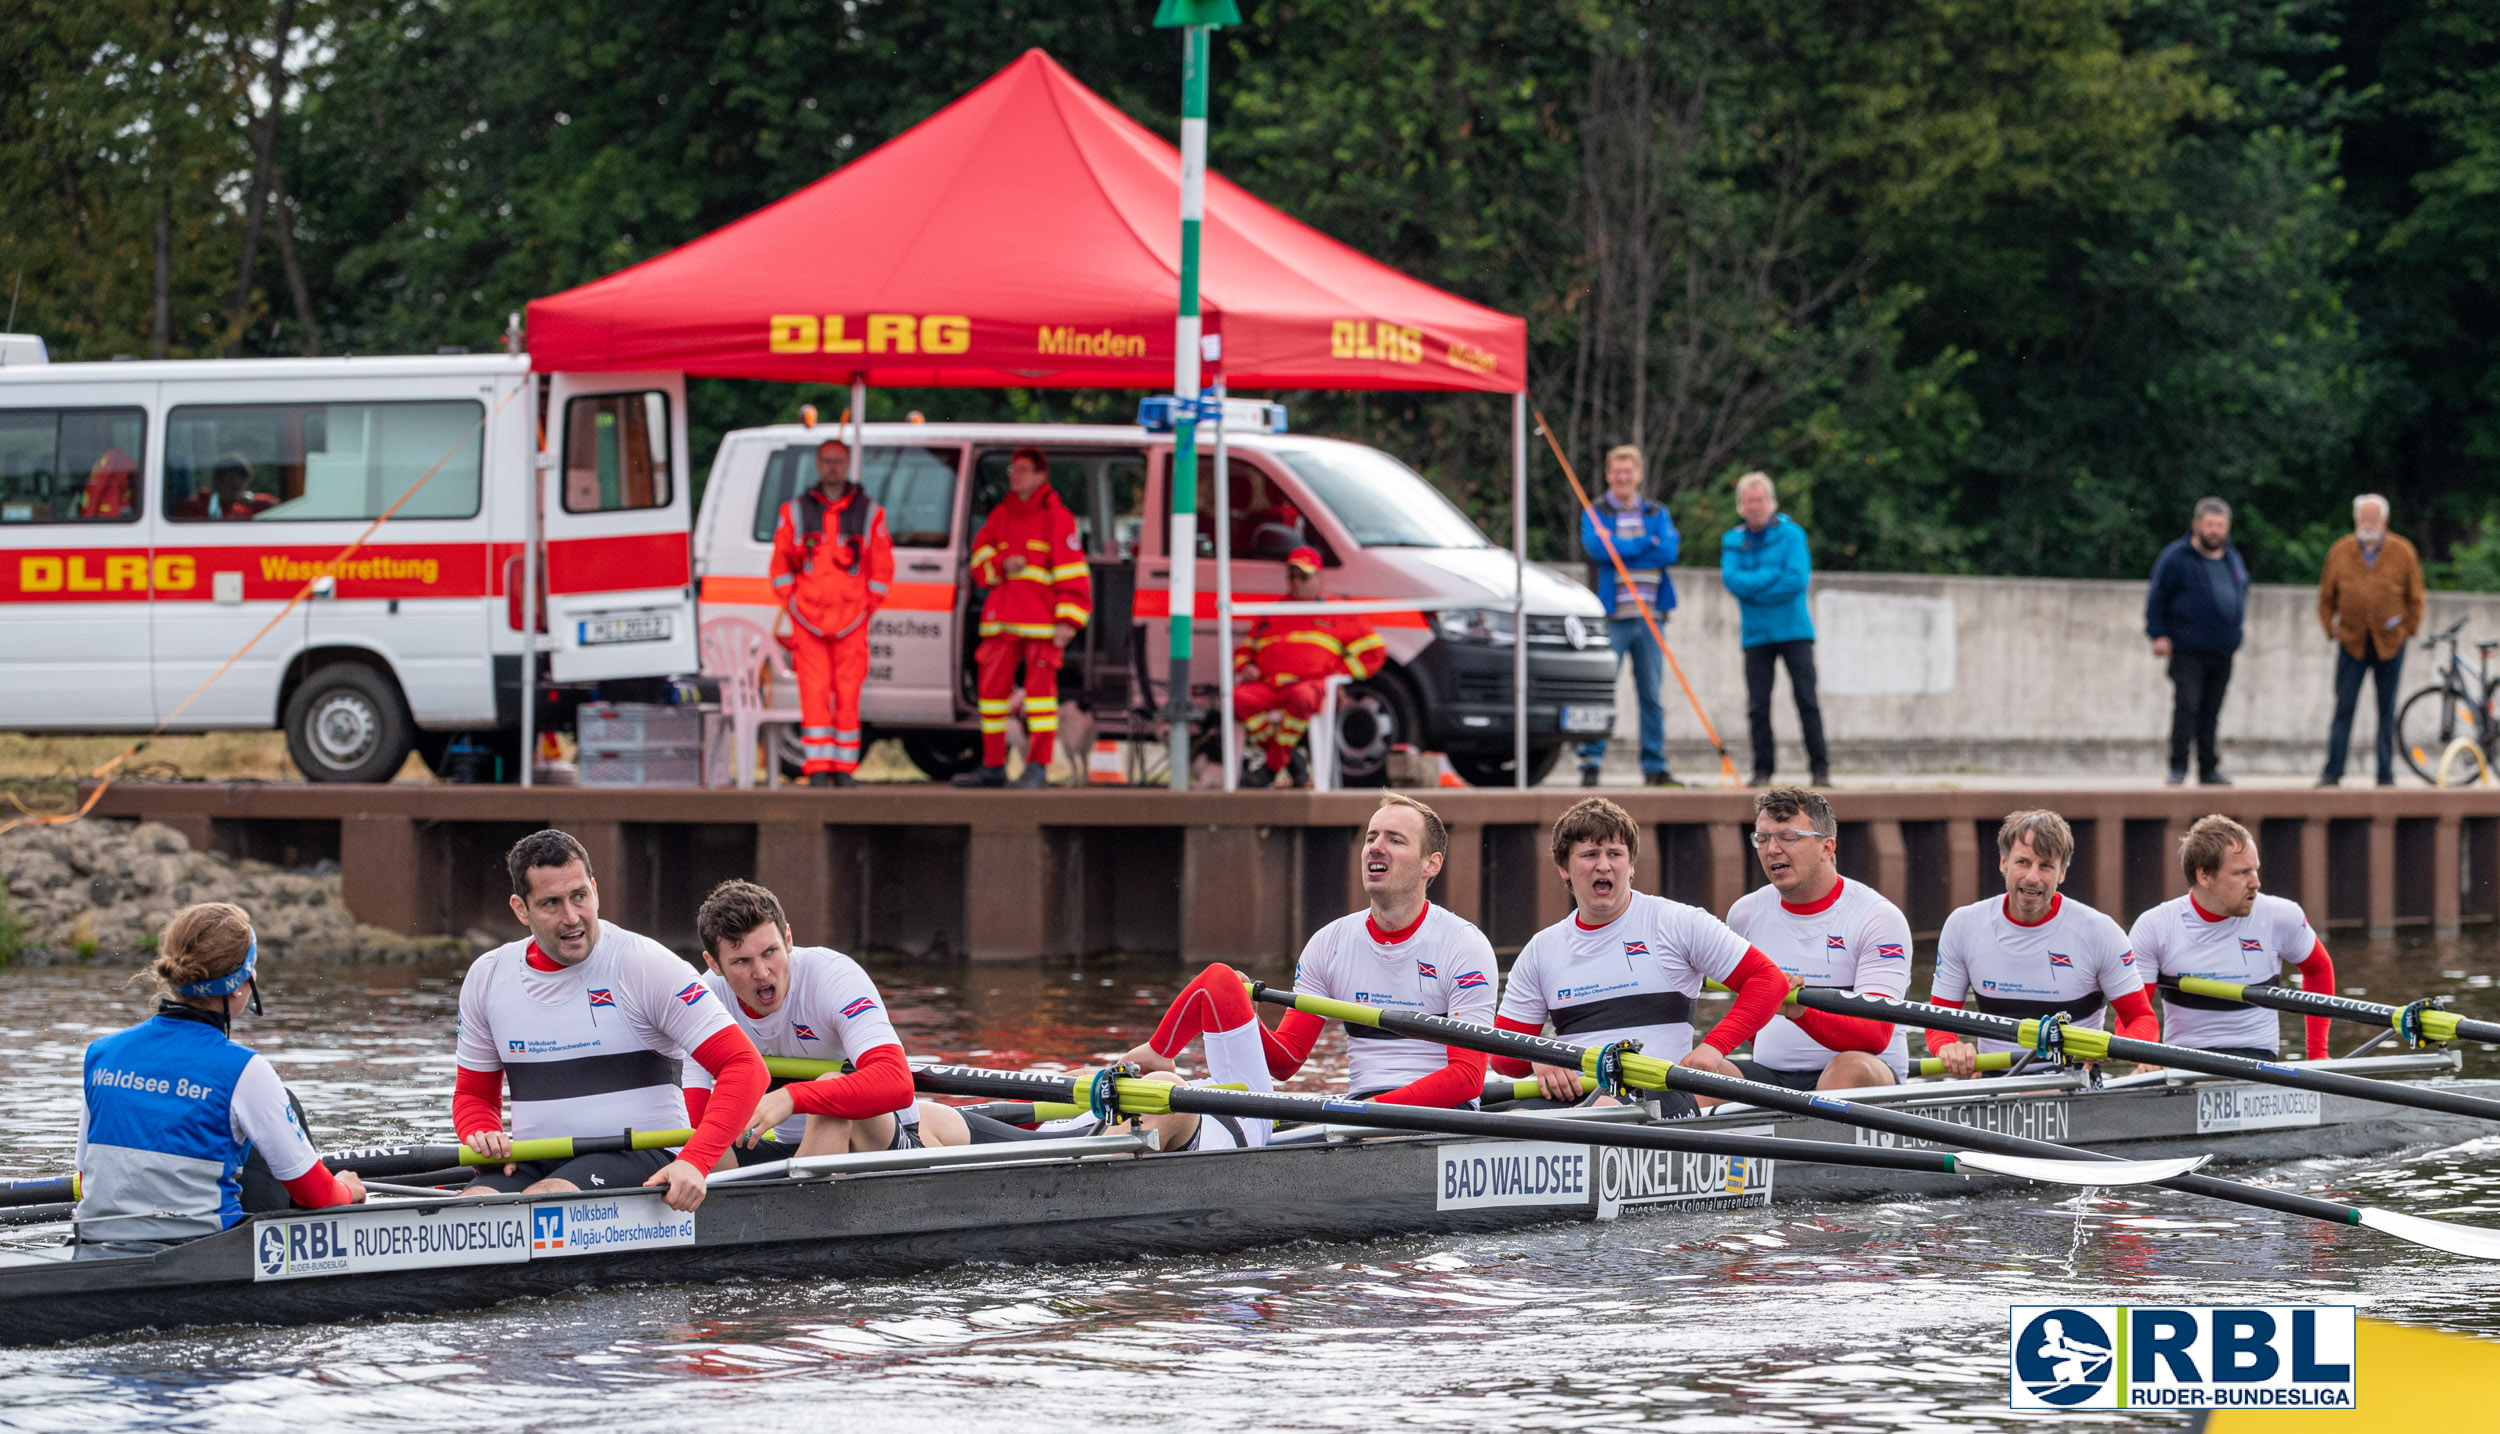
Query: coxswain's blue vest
x: 162, y: 1156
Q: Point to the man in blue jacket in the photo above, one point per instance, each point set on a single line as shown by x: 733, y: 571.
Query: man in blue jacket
x: 1764, y: 563
x: 2193, y: 614
x: 1645, y: 538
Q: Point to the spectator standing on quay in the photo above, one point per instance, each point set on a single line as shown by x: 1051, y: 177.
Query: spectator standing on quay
x: 2193, y: 614
x: 2370, y: 601
x: 1764, y: 563
x: 1645, y: 538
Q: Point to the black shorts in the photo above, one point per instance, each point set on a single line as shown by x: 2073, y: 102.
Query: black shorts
x: 1785, y: 1080
x: 609, y: 1170
x: 765, y: 1152
x: 989, y: 1130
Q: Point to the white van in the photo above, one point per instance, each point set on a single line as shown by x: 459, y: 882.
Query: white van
x: 1382, y: 531
x: 156, y: 517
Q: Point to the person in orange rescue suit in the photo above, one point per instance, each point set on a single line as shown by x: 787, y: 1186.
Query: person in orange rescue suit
x: 1282, y: 669
x: 832, y: 563
x: 1033, y: 562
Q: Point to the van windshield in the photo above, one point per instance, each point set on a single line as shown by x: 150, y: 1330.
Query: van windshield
x: 1382, y: 502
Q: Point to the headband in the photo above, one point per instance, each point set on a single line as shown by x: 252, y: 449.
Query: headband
x: 232, y: 981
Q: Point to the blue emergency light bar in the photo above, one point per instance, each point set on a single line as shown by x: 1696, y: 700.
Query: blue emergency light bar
x: 1161, y: 413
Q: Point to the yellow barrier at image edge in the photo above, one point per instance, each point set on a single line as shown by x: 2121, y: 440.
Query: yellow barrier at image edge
x: 2404, y: 1374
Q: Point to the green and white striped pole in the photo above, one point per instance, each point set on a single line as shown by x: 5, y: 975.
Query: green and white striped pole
x: 1195, y: 19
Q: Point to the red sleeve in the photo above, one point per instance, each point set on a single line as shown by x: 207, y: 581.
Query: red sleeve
x: 476, y: 1102
x: 879, y: 1084
x: 784, y: 566
x: 2135, y: 1020
x: 1289, y: 1045
x: 2317, y: 974
x: 1455, y: 1084
x: 739, y: 1080
x: 1513, y: 1066
x: 1844, y: 1033
x: 880, y: 564
x: 697, y: 1097
x: 1938, y: 1040
x: 315, y: 1189
x: 1760, y: 987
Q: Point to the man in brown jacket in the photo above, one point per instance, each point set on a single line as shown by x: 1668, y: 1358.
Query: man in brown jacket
x: 2370, y: 601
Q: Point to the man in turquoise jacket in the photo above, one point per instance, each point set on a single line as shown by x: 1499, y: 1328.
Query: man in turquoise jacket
x: 1764, y: 563
x: 1645, y: 538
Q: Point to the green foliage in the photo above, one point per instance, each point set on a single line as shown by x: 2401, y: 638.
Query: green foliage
x: 12, y: 931
x: 1988, y: 288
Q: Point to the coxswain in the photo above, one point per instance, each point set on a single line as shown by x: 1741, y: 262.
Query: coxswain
x: 2035, y: 952
x: 1626, y: 965
x: 590, y: 1024
x: 1282, y: 670
x: 1822, y: 929
x: 2227, y: 929
x: 832, y: 564
x: 1401, y: 953
x: 818, y: 1004
x: 173, y: 1112
x: 1032, y: 559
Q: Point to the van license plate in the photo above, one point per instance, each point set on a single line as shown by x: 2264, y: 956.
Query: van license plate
x: 640, y: 627
x: 1588, y: 719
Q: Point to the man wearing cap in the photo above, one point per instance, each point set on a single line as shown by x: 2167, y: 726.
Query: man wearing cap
x: 1282, y: 669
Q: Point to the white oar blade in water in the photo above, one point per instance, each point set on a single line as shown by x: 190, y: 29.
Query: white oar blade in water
x: 2080, y: 1172
x: 2472, y: 1241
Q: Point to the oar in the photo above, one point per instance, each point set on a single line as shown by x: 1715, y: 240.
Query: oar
x: 1650, y: 1073
x: 2433, y: 1023
x: 42, y: 1190
x: 1034, y: 1110
x: 2081, y: 1043
x: 404, y: 1160
x: 1117, y: 1097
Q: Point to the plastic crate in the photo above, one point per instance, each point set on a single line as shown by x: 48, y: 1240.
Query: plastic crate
x: 645, y: 767
x: 637, y: 726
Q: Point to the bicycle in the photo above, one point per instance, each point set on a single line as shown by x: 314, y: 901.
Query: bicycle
x: 2456, y: 712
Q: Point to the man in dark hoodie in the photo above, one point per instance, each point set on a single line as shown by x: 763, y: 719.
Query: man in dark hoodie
x: 2193, y: 615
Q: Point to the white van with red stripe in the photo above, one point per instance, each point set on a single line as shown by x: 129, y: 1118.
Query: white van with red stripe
x: 193, y: 545
x: 1382, y: 531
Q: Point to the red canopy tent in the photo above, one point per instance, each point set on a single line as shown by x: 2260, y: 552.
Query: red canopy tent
x: 1027, y: 236
x: 1024, y: 236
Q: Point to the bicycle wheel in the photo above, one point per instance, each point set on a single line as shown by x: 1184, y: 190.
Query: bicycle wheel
x: 2430, y: 720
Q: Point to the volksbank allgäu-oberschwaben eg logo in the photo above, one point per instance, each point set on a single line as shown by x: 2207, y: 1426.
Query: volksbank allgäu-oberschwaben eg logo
x: 2180, y: 1357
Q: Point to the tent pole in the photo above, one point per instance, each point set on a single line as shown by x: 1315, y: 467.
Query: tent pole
x: 1222, y: 521
x: 859, y: 415
x: 539, y: 463
x: 1519, y: 587
x: 1183, y: 612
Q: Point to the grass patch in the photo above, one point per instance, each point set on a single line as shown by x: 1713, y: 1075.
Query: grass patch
x: 12, y: 931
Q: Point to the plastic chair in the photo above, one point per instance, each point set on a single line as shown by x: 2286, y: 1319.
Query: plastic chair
x: 1321, y: 736
x: 743, y: 658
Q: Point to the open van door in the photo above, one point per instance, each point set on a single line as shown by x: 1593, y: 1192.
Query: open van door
x: 616, y: 514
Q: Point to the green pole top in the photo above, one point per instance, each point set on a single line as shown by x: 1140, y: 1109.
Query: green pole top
x: 1172, y: 14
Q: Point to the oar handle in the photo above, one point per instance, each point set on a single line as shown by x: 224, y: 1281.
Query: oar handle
x: 566, y: 1147
x: 1992, y: 1061
x: 43, y: 1190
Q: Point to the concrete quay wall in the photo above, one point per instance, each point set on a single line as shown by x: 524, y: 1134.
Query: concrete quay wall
x: 1943, y: 674
x: 1207, y: 876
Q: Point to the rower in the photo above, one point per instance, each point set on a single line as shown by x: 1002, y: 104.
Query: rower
x: 1823, y: 930
x: 1401, y: 952
x: 173, y: 1111
x: 2035, y: 952
x: 2227, y: 929
x: 1627, y: 965
x: 816, y: 1003
x: 591, y: 1023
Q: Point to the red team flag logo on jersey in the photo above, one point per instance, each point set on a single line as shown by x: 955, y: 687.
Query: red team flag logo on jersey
x: 1470, y: 980
x: 603, y: 997
x: 1890, y: 950
x: 804, y: 1033
x: 1635, y: 948
x: 1835, y: 943
x: 1427, y: 969
x: 859, y: 1007
x: 2060, y: 958
x: 694, y: 993
x: 2251, y: 944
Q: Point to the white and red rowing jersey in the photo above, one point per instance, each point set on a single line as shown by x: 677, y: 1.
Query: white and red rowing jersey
x: 1441, y: 966
x: 2073, y: 960
x: 833, y: 1012
x: 2180, y: 938
x: 1634, y: 978
x: 589, y: 1049
x: 1853, y: 939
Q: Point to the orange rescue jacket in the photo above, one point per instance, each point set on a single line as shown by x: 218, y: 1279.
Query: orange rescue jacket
x: 831, y: 567
x: 1053, y: 586
x: 1312, y: 647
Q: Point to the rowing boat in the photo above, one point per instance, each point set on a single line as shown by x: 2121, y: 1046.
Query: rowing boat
x: 1111, y: 1197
